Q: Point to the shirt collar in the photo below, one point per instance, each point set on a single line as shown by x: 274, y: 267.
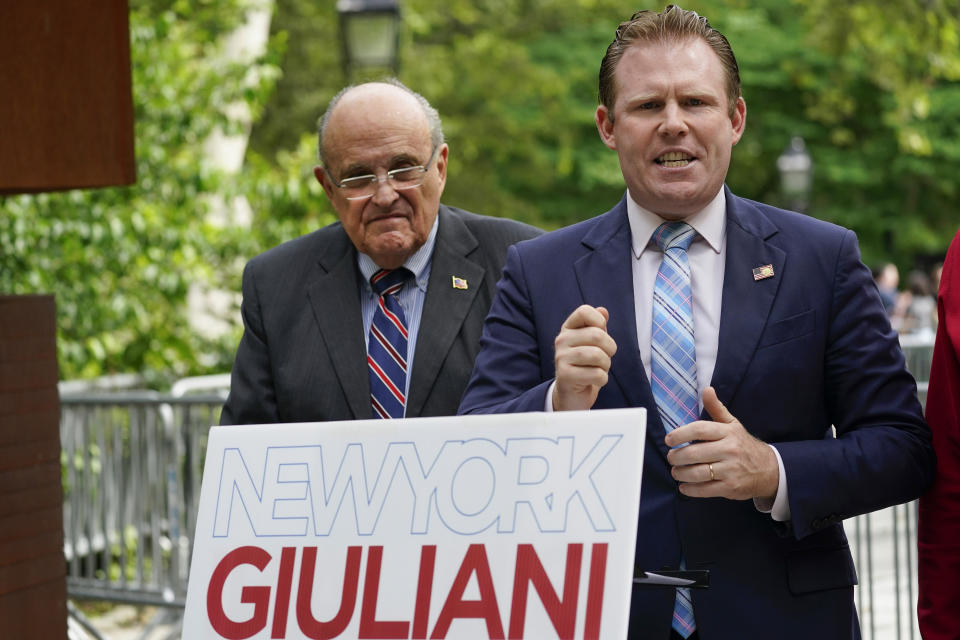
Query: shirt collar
x: 416, y: 263
x: 710, y: 223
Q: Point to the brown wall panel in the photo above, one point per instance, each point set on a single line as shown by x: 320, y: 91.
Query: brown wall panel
x: 37, y: 498
x: 27, y: 318
x: 32, y: 566
x: 26, y: 348
x: 37, y: 612
x: 22, y: 479
x: 30, y: 453
x: 30, y: 573
x: 20, y: 549
x: 18, y: 428
x: 35, y: 374
x: 32, y: 401
x: 24, y: 524
x: 66, y: 107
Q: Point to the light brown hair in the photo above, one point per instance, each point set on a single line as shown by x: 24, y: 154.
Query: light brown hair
x: 673, y: 24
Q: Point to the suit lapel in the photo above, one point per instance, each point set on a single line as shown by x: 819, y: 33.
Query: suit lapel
x: 338, y: 288
x: 445, y: 307
x: 746, y: 301
x: 605, y: 277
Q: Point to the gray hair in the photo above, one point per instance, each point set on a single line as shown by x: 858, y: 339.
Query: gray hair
x: 433, y: 118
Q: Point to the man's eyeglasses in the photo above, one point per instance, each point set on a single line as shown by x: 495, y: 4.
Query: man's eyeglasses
x: 362, y: 187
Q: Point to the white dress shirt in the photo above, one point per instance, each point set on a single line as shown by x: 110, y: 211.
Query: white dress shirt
x: 707, y: 254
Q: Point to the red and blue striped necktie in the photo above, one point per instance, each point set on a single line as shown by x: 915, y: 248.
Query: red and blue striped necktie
x: 387, y: 345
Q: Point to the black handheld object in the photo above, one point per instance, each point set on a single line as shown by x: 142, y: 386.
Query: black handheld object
x: 696, y: 579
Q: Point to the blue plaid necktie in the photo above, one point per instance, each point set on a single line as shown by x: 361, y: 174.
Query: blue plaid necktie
x: 387, y: 345
x: 673, y: 358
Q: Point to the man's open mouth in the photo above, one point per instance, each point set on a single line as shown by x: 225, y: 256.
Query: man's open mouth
x: 674, y: 159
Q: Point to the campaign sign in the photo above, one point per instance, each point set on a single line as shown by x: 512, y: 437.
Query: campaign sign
x: 506, y: 526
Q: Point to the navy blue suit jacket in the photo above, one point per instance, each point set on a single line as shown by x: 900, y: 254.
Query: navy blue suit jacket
x: 798, y: 352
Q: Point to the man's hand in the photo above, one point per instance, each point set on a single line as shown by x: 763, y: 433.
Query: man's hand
x: 582, y: 353
x: 723, y: 459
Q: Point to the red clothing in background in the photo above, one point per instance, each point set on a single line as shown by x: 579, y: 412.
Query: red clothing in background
x: 939, y: 532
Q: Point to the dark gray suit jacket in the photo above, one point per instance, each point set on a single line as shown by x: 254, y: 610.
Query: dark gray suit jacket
x: 302, y: 357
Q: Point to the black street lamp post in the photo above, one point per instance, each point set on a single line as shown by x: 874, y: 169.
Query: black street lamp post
x: 369, y: 34
x: 796, y: 174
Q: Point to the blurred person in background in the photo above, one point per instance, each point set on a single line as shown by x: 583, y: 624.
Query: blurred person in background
x: 938, y: 539
x: 935, y: 274
x: 921, y: 312
x: 895, y: 302
x: 887, y: 278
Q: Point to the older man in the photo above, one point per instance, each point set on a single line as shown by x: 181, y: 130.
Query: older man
x: 378, y: 315
x: 745, y: 330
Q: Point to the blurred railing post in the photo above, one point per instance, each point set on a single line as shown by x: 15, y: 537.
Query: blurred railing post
x: 884, y: 543
x: 131, y: 485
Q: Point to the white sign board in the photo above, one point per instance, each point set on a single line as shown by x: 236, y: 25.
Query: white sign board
x: 519, y: 526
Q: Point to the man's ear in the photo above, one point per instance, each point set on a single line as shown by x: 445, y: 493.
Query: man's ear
x: 324, y: 180
x: 739, y: 119
x: 604, y: 120
x: 442, y: 157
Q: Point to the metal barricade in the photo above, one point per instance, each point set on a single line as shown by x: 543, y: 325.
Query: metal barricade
x: 884, y: 543
x: 131, y: 464
x: 132, y: 470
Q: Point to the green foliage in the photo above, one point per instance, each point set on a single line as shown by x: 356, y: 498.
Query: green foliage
x: 873, y: 86
x: 305, y: 35
x: 120, y: 261
x: 285, y: 197
x: 869, y: 84
x: 516, y: 86
x: 877, y: 91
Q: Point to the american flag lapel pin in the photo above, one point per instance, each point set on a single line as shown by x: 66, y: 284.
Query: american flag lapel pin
x: 761, y: 273
x: 459, y: 283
